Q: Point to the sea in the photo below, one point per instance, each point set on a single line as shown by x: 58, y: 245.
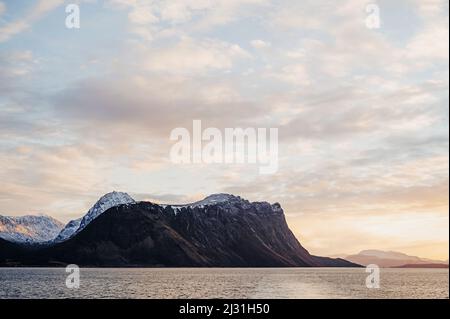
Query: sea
x: 236, y: 283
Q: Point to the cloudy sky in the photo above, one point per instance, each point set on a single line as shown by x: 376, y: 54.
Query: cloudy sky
x: 362, y: 113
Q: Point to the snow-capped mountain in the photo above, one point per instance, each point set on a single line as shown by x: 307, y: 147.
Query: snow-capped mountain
x: 210, y: 200
x: 68, y: 230
x: 219, y: 231
x: 217, y: 198
x: 29, y: 229
x: 104, y: 203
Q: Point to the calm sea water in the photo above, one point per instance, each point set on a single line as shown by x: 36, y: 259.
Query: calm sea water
x: 223, y: 283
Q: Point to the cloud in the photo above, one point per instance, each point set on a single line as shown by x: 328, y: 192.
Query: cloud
x: 2, y: 8
x: 129, y: 108
x: 366, y: 231
x: 362, y: 114
x: 357, y: 111
x: 190, y: 56
x: 326, y: 31
x: 432, y: 43
x: 25, y: 189
x: 142, y: 16
x: 295, y: 74
x: 12, y: 29
x: 35, y: 13
x: 180, y: 16
x: 432, y: 8
x: 14, y: 65
x: 260, y: 44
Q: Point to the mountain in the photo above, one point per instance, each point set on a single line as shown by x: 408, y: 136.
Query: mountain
x: 389, y: 259
x: 29, y: 229
x: 68, y: 230
x: 104, y: 203
x: 423, y: 266
x: 10, y: 253
x: 211, y: 200
x: 220, y: 231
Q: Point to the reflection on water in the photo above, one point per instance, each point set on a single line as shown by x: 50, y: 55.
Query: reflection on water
x: 223, y: 283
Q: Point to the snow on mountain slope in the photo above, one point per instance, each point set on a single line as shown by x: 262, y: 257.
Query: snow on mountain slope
x: 223, y: 199
x: 104, y: 203
x: 29, y: 229
x: 68, y: 230
x: 217, y: 198
x: 210, y: 200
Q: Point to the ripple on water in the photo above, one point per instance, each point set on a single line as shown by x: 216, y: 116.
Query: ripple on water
x: 223, y: 283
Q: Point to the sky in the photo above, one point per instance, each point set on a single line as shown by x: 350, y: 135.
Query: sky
x: 361, y: 112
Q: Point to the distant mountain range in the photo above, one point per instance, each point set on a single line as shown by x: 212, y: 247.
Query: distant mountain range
x: 29, y: 229
x: 45, y: 229
x: 220, y: 231
x: 389, y: 259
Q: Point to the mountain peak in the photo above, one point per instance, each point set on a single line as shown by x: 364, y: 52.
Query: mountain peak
x: 104, y: 203
x: 231, y: 232
x: 115, y: 196
x: 389, y: 258
x: 385, y: 254
x: 220, y: 198
x: 29, y: 228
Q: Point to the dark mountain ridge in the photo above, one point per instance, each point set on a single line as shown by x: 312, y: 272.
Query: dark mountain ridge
x: 216, y: 232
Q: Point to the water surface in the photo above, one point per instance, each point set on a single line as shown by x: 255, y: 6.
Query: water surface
x: 223, y: 283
